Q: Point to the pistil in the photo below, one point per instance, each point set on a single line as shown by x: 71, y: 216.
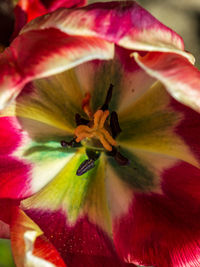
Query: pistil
x: 97, y: 130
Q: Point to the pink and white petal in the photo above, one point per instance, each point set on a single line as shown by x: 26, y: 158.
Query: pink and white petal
x: 44, y: 58
x: 179, y: 76
x: 123, y: 23
x: 30, y: 247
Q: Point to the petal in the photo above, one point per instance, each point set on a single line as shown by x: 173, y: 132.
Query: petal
x: 153, y: 222
x: 37, y: 122
x: 151, y: 124
x: 136, y: 28
x: 73, y: 213
x: 129, y: 81
x: 29, y: 245
x: 46, y: 58
x: 54, y: 4
x: 179, y: 76
x: 32, y: 8
x: 27, y: 10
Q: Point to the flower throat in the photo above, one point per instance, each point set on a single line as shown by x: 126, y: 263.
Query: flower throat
x: 97, y: 134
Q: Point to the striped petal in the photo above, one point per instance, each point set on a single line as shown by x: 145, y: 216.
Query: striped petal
x: 179, y: 76
x: 46, y: 58
x: 139, y: 30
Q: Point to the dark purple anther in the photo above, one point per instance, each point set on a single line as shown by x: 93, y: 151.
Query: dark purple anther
x: 85, y: 166
x: 114, y: 124
x: 80, y: 121
x: 68, y: 144
x: 108, y: 98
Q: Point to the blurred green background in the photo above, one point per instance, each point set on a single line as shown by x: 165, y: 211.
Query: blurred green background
x: 6, y: 259
x: 182, y: 16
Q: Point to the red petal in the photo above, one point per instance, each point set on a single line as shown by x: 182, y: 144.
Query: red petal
x: 29, y: 245
x: 82, y: 244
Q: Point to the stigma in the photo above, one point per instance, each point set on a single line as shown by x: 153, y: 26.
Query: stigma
x: 97, y: 130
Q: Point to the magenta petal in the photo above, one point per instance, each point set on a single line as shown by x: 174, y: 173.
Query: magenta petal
x: 10, y: 137
x: 54, y: 4
x: 15, y: 178
x: 82, y: 244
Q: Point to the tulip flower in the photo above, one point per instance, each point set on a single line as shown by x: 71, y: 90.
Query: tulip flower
x: 99, y: 140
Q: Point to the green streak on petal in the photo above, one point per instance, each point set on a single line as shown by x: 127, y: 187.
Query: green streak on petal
x: 106, y: 73
x: 43, y: 151
x: 136, y: 174
x: 67, y: 191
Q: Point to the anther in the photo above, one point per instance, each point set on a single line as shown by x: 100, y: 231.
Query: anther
x: 71, y: 143
x: 120, y: 159
x: 85, y: 166
x: 108, y: 98
x: 80, y: 121
x: 114, y: 124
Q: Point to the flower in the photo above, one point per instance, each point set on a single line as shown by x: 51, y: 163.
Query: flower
x: 100, y: 141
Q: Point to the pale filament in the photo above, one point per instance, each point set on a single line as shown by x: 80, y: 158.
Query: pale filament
x: 97, y: 130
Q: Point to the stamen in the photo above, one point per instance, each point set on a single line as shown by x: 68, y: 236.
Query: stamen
x: 85, y: 166
x: 97, y: 118
x: 80, y: 121
x: 71, y: 143
x: 103, y: 118
x: 97, y: 130
x: 86, y: 105
x: 121, y: 160
x: 114, y: 124
x: 108, y: 98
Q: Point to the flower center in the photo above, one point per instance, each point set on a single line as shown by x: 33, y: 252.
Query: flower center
x: 97, y: 134
x: 97, y: 130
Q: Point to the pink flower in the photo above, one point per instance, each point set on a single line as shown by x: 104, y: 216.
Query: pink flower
x: 100, y: 141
